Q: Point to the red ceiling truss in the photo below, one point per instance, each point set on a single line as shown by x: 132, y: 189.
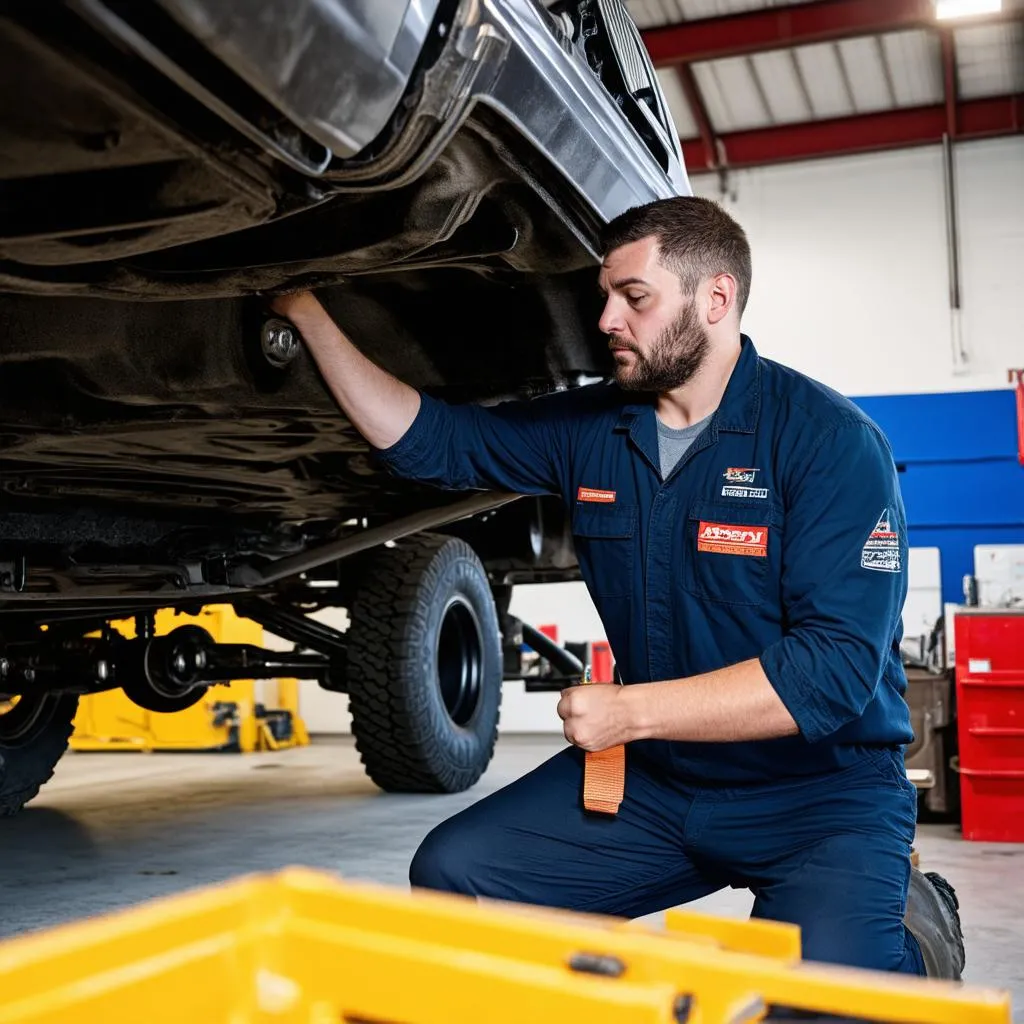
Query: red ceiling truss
x: 682, y: 45
x: 865, y: 133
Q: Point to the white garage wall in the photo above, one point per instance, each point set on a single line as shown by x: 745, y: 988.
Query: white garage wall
x: 850, y: 266
x: 566, y: 605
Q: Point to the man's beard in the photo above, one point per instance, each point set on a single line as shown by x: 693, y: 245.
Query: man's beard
x: 675, y: 356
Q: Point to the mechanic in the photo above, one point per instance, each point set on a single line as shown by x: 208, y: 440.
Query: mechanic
x: 741, y: 531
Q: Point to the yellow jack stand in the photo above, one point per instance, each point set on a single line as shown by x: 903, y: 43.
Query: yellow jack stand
x: 227, y: 718
x: 302, y: 948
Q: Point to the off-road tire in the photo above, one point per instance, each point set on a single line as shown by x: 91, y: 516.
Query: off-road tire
x: 26, y: 765
x: 411, y: 600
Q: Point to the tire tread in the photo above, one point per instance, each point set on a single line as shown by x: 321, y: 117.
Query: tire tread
x: 24, y: 770
x: 384, y: 701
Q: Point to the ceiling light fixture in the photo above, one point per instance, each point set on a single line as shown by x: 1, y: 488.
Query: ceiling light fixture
x: 946, y: 9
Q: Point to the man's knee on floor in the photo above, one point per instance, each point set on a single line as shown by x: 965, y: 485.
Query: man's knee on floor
x: 441, y: 862
x: 847, y: 898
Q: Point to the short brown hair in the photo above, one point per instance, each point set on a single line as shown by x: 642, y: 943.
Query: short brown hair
x: 696, y: 238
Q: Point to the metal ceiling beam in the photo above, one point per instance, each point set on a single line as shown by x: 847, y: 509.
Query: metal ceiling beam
x: 843, y: 136
x: 794, y: 25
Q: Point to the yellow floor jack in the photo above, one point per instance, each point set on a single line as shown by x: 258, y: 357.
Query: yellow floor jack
x: 247, y: 715
x: 301, y: 947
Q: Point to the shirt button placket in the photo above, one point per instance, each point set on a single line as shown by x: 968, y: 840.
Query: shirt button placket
x: 659, y: 588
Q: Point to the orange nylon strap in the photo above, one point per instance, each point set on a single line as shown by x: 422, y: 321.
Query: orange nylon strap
x: 604, y: 776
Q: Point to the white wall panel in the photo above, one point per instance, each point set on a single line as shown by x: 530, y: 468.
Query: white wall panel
x: 678, y: 104
x: 731, y: 94
x: 914, y: 62
x: 820, y: 66
x: 991, y: 206
x: 988, y: 60
x: 864, y: 60
x: 780, y: 78
x: 923, y: 606
x: 850, y: 266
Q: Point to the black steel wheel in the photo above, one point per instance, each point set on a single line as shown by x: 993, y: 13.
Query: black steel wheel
x: 460, y: 660
x: 424, y: 667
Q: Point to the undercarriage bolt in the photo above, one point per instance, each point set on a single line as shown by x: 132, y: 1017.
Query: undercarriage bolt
x: 5, y: 667
x: 179, y: 664
x: 200, y: 659
x: 29, y: 675
x: 102, y: 670
x: 280, y: 345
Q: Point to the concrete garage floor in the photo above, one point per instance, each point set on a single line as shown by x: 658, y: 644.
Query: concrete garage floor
x: 111, y: 830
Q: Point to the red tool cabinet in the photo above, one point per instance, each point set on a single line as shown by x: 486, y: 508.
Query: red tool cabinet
x: 990, y: 714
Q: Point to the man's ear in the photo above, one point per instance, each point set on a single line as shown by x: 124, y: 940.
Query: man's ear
x: 721, y: 297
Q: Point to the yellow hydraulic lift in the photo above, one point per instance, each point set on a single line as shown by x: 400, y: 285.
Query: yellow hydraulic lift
x: 300, y: 947
x: 227, y: 718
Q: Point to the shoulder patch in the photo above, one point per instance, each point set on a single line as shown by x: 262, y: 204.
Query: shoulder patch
x: 881, y: 553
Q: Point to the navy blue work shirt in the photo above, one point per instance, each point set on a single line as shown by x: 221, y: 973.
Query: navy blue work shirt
x: 780, y: 535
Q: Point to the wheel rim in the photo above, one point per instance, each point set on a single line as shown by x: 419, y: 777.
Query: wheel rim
x: 22, y: 718
x: 460, y: 659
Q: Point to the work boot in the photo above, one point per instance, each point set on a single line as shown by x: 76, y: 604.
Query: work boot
x: 933, y: 918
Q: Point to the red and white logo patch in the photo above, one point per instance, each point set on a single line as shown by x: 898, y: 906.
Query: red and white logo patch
x: 592, y: 494
x: 730, y: 539
x: 881, y: 553
x: 740, y: 474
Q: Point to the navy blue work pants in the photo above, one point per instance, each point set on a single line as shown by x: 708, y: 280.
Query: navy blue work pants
x: 830, y: 853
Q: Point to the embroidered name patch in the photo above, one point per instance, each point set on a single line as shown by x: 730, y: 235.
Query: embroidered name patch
x: 731, y: 491
x: 881, y: 553
x: 590, y: 494
x: 740, y: 475
x: 729, y: 539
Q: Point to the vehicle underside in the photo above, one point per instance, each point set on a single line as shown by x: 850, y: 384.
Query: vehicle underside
x: 167, y: 442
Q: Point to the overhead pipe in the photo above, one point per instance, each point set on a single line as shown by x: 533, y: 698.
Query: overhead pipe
x: 960, y: 359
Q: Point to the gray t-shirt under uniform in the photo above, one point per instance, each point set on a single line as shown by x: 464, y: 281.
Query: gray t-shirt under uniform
x: 673, y: 443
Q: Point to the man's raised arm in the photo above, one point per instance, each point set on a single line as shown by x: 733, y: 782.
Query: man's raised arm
x: 380, y: 407
x: 515, y: 446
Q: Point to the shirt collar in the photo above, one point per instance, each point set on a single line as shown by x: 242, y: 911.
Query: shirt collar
x: 740, y: 407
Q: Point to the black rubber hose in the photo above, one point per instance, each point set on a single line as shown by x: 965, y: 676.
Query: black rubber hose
x: 560, y: 659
